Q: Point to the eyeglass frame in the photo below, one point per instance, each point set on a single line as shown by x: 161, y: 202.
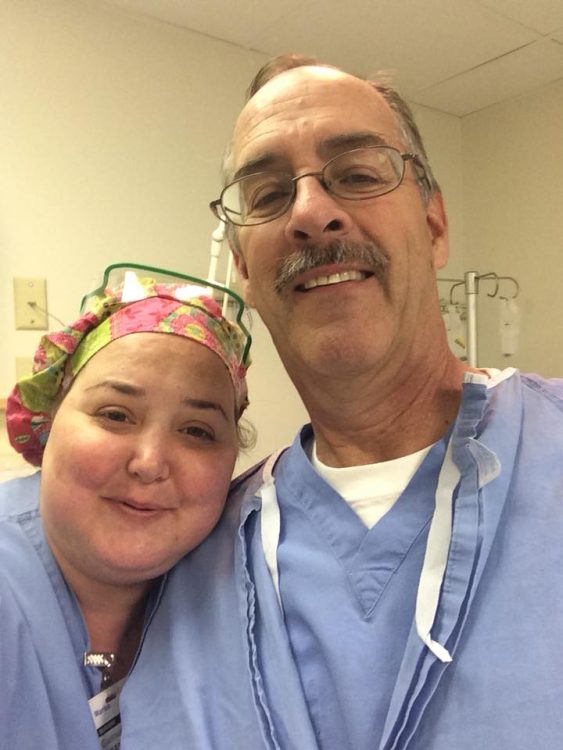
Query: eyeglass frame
x: 219, y: 211
x: 175, y: 275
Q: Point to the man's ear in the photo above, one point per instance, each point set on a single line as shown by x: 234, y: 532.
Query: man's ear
x: 242, y: 272
x: 438, y: 225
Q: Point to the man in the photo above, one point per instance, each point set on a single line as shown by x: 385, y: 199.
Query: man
x: 393, y: 579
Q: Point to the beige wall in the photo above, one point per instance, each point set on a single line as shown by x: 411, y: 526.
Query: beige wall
x: 513, y: 218
x: 442, y: 138
x: 111, y: 131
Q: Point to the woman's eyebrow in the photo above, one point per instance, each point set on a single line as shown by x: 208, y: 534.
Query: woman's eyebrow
x: 120, y: 386
x: 198, y: 403
x: 132, y: 390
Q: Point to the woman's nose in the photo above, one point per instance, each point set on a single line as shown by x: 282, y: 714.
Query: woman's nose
x: 150, y: 461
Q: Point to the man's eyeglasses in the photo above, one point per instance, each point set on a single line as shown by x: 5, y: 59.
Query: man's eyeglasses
x: 355, y: 175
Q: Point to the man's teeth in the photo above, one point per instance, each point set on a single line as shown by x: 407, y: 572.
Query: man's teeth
x: 334, y: 278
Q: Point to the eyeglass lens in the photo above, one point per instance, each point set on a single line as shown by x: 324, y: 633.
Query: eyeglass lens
x: 354, y: 175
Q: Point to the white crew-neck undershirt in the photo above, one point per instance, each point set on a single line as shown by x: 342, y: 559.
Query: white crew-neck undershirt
x: 372, y: 489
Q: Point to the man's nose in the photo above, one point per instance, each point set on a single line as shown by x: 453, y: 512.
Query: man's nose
x: 315, y: 215
x: 149, y: 461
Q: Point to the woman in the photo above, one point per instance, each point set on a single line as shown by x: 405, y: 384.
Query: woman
x: 137, y: 437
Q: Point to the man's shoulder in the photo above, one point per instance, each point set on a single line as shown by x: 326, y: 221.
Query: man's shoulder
x: 249, y: 482
x: 549, y: 388
x: 253, y: 472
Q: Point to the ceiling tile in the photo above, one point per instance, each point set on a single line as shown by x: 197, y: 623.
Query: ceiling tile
x: 523, y: 70
x: 230, y: 20
x: 424, y: 45
x: 423, y: 42
x: 544, y: 16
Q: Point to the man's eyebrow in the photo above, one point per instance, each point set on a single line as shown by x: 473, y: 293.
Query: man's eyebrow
x: 345, y: 141
x: 328, y: 147
x: 261, y: 163
x: 198, y: 403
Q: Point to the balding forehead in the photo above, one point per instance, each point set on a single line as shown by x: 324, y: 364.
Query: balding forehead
x: 298, y: 80
x: 290, y: 91
x: 293, y: 76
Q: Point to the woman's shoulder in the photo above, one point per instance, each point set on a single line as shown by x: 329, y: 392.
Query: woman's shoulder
x: 19, y: 496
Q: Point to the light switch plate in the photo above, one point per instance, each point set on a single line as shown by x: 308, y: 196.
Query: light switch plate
x: 30, y: 301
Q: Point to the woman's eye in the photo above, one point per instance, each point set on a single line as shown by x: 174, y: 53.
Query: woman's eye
x: 114, y: 415
x: 201, y: 433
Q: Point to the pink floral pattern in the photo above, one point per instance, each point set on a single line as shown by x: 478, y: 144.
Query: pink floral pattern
x: 61, y: 355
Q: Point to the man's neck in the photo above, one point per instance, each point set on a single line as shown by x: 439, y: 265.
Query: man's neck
x: 368, y: 420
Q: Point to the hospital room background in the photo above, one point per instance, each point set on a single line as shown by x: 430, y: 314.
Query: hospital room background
x: 112, y: 128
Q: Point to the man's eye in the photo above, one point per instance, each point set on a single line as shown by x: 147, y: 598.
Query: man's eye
x: 267, y: 197
x: 358, y: 179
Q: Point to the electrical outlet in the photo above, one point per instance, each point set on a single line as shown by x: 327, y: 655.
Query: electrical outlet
x: 30, y: 301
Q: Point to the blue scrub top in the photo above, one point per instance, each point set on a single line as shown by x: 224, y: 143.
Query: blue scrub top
x: 44, y: 687
x: 341, y: 665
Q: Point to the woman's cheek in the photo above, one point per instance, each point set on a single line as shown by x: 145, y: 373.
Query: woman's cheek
x: 90, y: 458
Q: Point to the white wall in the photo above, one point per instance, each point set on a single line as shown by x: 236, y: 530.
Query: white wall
x: 112, y: 128
x: 442, y: 138
x: 513, y: 219
x: 111, y: 131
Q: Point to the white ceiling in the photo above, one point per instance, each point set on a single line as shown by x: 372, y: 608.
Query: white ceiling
x: 457, y: 56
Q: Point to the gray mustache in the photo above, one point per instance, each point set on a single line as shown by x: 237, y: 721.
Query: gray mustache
x: 368, y: 254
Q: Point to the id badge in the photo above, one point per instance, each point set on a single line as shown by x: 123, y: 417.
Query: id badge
x: 104, y: 708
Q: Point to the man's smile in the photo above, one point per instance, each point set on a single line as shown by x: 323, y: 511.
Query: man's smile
x: 333, y: 278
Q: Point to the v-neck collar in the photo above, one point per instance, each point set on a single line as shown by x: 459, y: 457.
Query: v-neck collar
x: 369, y: 557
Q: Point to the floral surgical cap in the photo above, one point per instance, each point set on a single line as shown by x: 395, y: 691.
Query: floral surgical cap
x: 61, y: 355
